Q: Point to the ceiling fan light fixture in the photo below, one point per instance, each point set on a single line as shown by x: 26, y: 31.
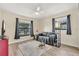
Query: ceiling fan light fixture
x: 38, y: 8
x: 36, y: 13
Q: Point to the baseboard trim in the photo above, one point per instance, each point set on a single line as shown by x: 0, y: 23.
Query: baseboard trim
x: 70, y: 46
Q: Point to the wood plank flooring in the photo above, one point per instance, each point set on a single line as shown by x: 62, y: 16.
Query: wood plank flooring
x: 64, y: 50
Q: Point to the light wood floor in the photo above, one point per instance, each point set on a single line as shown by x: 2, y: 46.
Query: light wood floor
x: 54, y: 51
x: 62, y: 51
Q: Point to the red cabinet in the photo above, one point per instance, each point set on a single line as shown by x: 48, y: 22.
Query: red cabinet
x: 4, y: 47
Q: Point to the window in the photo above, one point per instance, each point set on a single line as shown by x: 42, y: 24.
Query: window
x: 62, y: 23
x: 23, y: 28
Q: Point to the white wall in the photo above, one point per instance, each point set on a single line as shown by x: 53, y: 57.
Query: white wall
x: 72, y: 40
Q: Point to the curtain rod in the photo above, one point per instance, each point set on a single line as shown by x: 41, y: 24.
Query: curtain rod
x: 25, y: 19
x: 61, y: 16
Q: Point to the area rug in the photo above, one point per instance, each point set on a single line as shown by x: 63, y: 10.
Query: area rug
x: 32, y: 48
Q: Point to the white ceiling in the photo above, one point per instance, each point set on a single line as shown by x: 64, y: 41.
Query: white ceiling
x: 29, y: 9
